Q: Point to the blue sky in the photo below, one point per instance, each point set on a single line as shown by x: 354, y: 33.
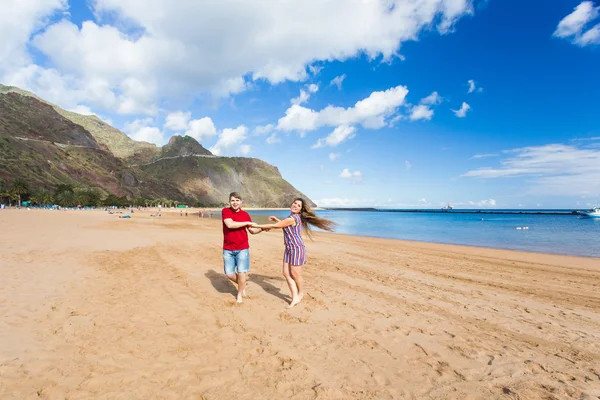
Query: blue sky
x: 482, y: 104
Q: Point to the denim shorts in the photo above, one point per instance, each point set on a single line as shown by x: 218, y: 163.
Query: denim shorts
x: 236, y: 261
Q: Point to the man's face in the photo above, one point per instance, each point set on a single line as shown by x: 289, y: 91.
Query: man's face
x: 235, y: 203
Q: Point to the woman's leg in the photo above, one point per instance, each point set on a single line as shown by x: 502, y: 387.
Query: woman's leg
x: 296, y: 273
x: 291, y: 283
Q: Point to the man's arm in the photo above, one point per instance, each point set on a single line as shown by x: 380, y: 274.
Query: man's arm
x: 231, y: 224
x: 255, y: 230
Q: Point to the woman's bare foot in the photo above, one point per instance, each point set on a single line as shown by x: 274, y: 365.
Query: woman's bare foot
x: 239, y: 299
x: 294, y: 302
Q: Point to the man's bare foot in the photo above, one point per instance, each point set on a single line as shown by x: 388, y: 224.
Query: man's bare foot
x: 294, y: 302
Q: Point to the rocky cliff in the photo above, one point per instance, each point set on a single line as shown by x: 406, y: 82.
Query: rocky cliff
x: 47, y: 146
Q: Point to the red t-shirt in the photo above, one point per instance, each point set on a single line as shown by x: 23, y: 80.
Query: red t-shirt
x: 235, y: 239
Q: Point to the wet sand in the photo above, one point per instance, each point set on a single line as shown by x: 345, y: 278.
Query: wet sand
x: 94, y: 306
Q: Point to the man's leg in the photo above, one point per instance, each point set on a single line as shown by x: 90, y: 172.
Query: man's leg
x: 229, y: 261
x: 241, y: 286
x: 243, y: 267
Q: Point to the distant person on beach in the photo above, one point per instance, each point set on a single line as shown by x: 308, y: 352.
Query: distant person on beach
x: 294, y: 255
x: 236, y: 249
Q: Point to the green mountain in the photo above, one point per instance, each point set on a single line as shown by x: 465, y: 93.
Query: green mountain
x: 46, y: 146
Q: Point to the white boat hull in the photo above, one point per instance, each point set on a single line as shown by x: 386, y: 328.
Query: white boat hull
x: 595, y: 213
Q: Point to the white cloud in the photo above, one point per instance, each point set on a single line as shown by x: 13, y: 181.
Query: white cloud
x: 18, y: 21
x: 341, y: 202
x: 389, y: 203
x: 178, y: 121
x: 315, y: 69
x: 150, y: 135
x: 302, y: 97
x: 82, y: 110
x: 163, y: 59
x: 433, y: 99
x: 572, y: 26
x: 62, y: 90
x: 483, y: 203
x: 273, y: 139
x: 263, y: 130
x: 339, y: 135
x: 554, y: 169
x: 137, y: 124
x: 137, y: 97
x: 573, y: 23
x: 473, y: 87
x: 462, y: 112
x: 245, y: 149
x: 337, y: 81
x: 393, y: 121
x: 421, y: 112
x: 201, y: 129
x: 484, y: 155
x: 408, y: 165
x: 355, y: 176
x: 298, y: 118
x: 370, y: 112
x: 229, y: 138
x: 334, y: 156
x: 141, y: 130
x: 591, y: 36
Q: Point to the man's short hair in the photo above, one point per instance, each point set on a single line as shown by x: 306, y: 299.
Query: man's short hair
x: 235, y: 194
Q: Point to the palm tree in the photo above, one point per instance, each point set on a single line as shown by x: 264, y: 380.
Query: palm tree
x: 48, y: 198
x: 94, y: 198
x: 65, y: 198
x: 80, y: 197
x: 3, y: 192
x: 19, y: 188
x: 42, y: 196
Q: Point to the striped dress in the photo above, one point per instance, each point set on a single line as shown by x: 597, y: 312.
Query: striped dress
x: 295, y: 253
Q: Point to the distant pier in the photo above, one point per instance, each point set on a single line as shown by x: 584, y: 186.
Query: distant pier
x: 455, y: 211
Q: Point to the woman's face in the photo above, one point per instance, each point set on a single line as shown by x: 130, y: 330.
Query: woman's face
x: 296, y: 207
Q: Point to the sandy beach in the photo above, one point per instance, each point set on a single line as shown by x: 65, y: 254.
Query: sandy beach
x: 94, y: 306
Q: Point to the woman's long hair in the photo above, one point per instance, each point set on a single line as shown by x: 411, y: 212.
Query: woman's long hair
x: 309, y: 219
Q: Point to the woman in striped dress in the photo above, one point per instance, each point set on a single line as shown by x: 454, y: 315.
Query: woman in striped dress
x: 294, y: 256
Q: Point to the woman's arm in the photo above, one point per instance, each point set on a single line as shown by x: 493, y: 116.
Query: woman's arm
x: 279, y: 224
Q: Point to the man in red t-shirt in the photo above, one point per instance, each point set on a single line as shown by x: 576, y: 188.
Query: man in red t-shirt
x: 236, y: 254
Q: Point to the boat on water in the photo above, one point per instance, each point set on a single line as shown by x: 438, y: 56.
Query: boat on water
x: 593, y: 213
x: 447, y: 207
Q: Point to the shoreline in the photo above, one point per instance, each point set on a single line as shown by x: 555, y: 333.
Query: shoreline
x: 174, y: 213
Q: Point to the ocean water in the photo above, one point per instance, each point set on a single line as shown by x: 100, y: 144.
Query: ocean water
x: 546, y: 233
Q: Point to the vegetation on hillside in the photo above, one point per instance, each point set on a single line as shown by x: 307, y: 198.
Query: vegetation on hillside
x: 45, y: 147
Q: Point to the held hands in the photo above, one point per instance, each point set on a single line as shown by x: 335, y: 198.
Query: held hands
x: 257, y: 226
